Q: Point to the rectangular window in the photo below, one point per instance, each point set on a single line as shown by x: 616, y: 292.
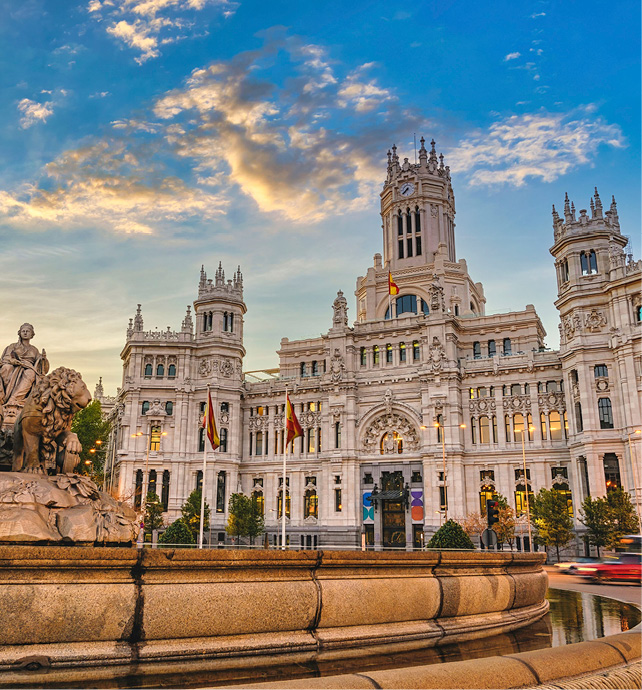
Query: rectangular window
x: 494, y: 429
x: 476, y: 350
x: 605, y: 412
x: 507, y: 346
x: 555, y: 425
x: 154, y: 439
x: 259, y: 443
x: 201, y: 440
x: 409, y: 246
x: 337, y: 434
x: 492, y: 350
x: 251, y: 442
x: 418, y: 245
x: 401, y: 249
x: 388, y: 354
x: 363, y: 356
x: 507, y: 427
x: 542, y: 420
x: 223, y: 439
x: 415, y: 350
x: 337, y: 501
x: 402, y: 352
x: 579, y: 422
x: 601, y: 370
x: 484, y: 430
x: 375, y: 355
x: 473, y: 430
x: 443, y: 498
x: 311, y: 440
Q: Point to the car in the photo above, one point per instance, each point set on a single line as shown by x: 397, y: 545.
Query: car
x: 627, y: 567
x: 570, y: 567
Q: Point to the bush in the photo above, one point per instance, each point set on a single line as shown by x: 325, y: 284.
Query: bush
x: 177, y: 533
x: 450, y: 536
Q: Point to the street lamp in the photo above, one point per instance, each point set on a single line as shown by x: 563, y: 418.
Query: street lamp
x: 528, y: 505
x: 149, y: 443
x: 635, y: 477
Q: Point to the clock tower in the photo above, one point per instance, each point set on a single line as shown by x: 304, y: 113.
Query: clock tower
x: 417, y: 209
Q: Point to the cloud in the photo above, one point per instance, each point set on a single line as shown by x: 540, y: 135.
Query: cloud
x: 34, y: 112
x: 542, y: 145
x: 538, y: 14
x: 511, y: 56
x: 145, y: 25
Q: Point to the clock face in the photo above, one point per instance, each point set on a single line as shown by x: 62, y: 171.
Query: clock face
x: 407, y: 188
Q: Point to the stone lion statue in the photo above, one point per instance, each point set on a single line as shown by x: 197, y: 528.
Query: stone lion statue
x: 42, y: 438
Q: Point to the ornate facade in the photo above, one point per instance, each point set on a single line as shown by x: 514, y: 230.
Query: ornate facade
x: 418, y: 384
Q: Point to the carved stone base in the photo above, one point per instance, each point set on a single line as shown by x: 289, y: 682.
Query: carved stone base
x: 61, y: 509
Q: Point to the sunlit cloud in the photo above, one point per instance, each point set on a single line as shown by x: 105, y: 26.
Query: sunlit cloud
x: 145, y: 25
x: 542, y: 145
x: 511, y: 56
x: 34, y: 112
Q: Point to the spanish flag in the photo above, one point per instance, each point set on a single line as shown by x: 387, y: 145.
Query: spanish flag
x: 209, y: 423
x: 291, y: 422
x: 392, y: 286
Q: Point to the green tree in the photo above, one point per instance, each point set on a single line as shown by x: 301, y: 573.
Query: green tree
x: 191, y: 512
x: 505, y: 528
x: 450, y: 535
x: 549, y: 513
x: 256, y: 522
x: 153, y: 513
x: 177, y: 533
x: 239, y: 510
x: 624, y: 519
x: 93, y: 433
x: 595, y: 515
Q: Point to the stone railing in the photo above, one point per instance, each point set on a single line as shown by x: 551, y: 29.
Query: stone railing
x: 69, y: 614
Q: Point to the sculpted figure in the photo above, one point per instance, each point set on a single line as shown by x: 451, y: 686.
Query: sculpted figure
x: 42, y: 437
x: 20, y: 364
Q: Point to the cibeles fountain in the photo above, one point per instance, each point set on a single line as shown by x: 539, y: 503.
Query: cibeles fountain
x: 77, y: 612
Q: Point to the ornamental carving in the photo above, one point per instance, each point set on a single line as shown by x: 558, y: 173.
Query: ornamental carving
x: 575, y: 390
x: 595, y: 321
x: 602, y: 384
x: 560, y: 479
x: 433, y: 210
x: 337, y: 367
x: 227, y: 369
x: 205, y: 367
x: 551, y: 401
x: 156, y: 409
x: 483, y: 406
x: 386, y: 425
x: 340, y: 307
x: 436, y: 355
x: 437, y: 300
x: 259, y: 423
x: 310, y: 419
x: 570, y: 324
x: 517, y: 403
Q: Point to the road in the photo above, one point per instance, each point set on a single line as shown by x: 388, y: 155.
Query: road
x: 624, y: 592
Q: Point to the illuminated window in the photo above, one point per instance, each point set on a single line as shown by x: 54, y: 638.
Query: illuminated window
x: 375, y: 354
x: 494, y: 429
x: 391, y: 442
x: 555, y: 425
x: 388, y: 353
x: 402, y: 352
x: 542, y: 421
x: 440, y: 423
x: 312, y: 440
x: 363, y: 356
x: 310, y: 504
x: 486, y: 493
x: 415, y: 350
x: 259, y: 502
x: 337, y: 501
x: 280, y: 503
x: 611, y: 471
x: 154, y: 438
x: 518, y: 427
x: 484, y: 430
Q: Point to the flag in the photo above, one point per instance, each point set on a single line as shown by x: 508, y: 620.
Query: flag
x: 392, y: 286
x: 209, y: 423
x: 291, y: 422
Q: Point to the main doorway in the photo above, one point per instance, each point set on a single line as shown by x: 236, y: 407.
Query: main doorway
x: 393, y: 510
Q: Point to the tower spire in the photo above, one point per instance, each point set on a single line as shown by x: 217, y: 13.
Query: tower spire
x: 567, y: 209
x: 598, y: 205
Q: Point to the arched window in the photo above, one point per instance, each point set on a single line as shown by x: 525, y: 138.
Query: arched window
x: 138, y: 490
x: 484, y: 429
x: 148, y: 370
x: 144, y: 407
x: 407, y: 303
x: 375, y: 354
x: 363, y: 357
x: 402, y: 352
x: 601, y: 370
x: 151, y: 484
x: 388, y: 353
x: 204, y: 321
x: 507, y: 347
x: 417, y: 220
x: 171, y: 371
x: 476, y: 350
x: 169, y: 407
x: 605, y: 412
x: 210, y: 317
x: 416, y: 354
x: 303, y: 369
x: 555, y: 425
x: 399, y: 224
x: 165, y: 491
x: 160, y: 370
x: 391, y: 443
x: 584, y: 263
x: 611, y: 471
x: 492, y: 351
x: 592, y: 261
x: 310, y: 504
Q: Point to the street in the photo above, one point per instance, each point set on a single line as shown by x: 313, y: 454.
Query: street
x: 631, y: 593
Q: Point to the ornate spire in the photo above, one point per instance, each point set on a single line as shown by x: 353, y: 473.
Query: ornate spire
x: 138, y: 320
x: 573, y: 210
x: 188, y: 325
x: 99, y: 391
x: 203, y: 280
x: 423, y: 154
x: 556, y: 217
x: 219, y: 277
x: 567, y: 209
x: 238, y: 278
x: 598, y: 205
x: 592, y: 208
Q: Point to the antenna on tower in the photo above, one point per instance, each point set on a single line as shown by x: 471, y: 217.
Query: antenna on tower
x: 414, y: 136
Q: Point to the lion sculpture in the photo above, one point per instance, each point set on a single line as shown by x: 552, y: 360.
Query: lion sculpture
x: 42, y: 438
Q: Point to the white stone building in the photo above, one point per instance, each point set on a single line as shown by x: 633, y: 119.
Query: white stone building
x: 369, y: 394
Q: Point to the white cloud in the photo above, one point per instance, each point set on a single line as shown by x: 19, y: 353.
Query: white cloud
x: 34, y: 112
x: 511, y: 56
x: 541, y: 145
x: 538, y: 14
x: 144, y: 25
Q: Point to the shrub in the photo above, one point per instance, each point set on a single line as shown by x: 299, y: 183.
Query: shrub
x: 177, y: 533
x: 450, y: 536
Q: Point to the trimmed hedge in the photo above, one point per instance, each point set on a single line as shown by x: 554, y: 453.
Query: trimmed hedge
x: 450, y: 536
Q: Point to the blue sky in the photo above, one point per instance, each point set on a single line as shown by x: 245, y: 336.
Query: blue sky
x: 140, y: 139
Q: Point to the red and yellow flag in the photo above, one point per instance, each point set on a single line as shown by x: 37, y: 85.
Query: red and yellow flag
x: 209, y: 423
x: 392, y: 286
x: 292, y: 425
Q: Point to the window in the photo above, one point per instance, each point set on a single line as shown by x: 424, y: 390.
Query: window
x: 310, y: 504
x: 484, y: 430
x: 280, y: 503
x: 201, y: 440
x: 312, y: 440
x: 476, y: 350
x: 529, y: 426
x: 601, y: 370
x: 518, y: 427
x: 171, y: 371
x: 363, y: 357
x: 417, y: 220
x: 199, y: 480
x: 160, y: 370
x: 388, y: 353
x: 399, y: 223
x: 315, y: 368
x: 169, y: 408
x: 440, y: 427
x: 486, y: 493
x: 507, y: 347
x: 148, y: 370
x: 605, y: 412
x: 337, y: 434
x: 494, y: 429
x: 220, y: 492
x: 259, y: 502
x: 473, y: 430
x: 415, y: 477
x: 592, y: 261
x: 391, y: 442
x: 638, y: 313
x: 579, y: 422
x: 402, y: 352
x: 542, y: 421
x: 400, y: 243
x: 337, y: 501
x: 492, y: 351
x: 375, y: 354
x: 564, y: 270
x: 409, y: 246
x: 223, y: 439
x: 144, y: 407
x: 574, y: 377
x: 415, y: 350
x: 165, y: 491
x: 367, y: 478
x: 443, y: 498
x: 407, y: 303
x: 154, y: 438
x: 516, y: 389
x: 418, y: 245
x: 555, y: 425
x: 551, y: 387
x: 303, y: 369
x: 507, y: 427
x: 151, y: 483
x: 138, y: 490
x: 588, y: 262
x: 611, y: 471
x: 225, y: 407
x: 258, y: 446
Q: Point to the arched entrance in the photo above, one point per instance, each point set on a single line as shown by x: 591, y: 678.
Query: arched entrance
x: 393, y: 499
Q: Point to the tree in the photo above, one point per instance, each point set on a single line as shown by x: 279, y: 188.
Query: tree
x: 93, y: 433
x: 595, y: 515
x: 474, y: 524
x: 239, y: 510
x: 549, y: 513
x: 450, y: 536
x: 624, y: 519
x: 177, y: 533
x: 505, y: 527
x: 153, y: 512
x: 191, y: 512
x: 256, y: 522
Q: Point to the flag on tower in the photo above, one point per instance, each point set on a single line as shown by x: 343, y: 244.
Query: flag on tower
x: 291, y: 422
x: 392, y: 286
x: 209, y: 423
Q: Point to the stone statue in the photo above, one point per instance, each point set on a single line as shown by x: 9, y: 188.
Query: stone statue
x: 20, y: 364
x: 340, y: 309
x: 43, y: 441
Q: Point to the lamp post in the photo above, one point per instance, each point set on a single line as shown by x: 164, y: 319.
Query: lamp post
x: 635, y: 477
x: 146, y: 477
x: 528, y: 505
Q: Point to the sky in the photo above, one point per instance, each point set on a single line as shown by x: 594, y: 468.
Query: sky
x: 140, y: 139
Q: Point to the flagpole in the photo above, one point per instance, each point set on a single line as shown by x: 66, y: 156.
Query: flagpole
x: 200, y: 535
x: 285, y: 452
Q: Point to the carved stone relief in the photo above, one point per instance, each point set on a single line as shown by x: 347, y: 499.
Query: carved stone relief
x: 517, y: 403
x: 337, y: 367
x: 437, y: 300
x: 551, y: 401
x: 340, y: 307
x: 436, y: 355
x: 595, y: 321
x: 227, y: 369
x: 387, y: 424
x: 571, y: 324
x: 602, y: 384
x: 483, y: 406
